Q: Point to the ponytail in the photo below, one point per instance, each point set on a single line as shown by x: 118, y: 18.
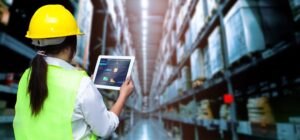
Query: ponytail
x: 37, y: 88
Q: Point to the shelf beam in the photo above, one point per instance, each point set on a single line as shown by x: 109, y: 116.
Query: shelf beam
x: 6, y: 119
x: 7, y: 89
x: 15, y: 45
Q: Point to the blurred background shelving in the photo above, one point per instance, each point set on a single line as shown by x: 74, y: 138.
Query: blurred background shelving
x: 205, y: 69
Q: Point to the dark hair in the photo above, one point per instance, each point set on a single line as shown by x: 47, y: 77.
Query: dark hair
x: 37, y: 88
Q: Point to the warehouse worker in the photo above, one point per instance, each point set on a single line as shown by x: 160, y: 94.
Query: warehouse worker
x: 55, y: 101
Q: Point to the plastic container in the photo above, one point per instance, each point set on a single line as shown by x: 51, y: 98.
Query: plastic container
x: 215, y: 52
x: 197, y: 65
x: 253, y: 25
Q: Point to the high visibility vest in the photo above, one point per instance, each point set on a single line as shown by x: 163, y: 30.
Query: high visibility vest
x: 54, y: 122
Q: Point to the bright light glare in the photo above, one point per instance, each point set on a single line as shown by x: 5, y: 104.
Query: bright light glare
x: 144, y: 14
x: 144, y: 4
x: 144, y: 32
x: 144, y: 46
x: 144, y: 39
x: 144, y: 24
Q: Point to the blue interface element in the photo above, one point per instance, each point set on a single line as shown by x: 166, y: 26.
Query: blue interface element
x: 112, y: 72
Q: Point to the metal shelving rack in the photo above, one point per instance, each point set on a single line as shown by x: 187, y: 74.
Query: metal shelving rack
x: 234, y: 126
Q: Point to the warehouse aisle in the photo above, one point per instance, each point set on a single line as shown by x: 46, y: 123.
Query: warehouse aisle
x: 147, y: 129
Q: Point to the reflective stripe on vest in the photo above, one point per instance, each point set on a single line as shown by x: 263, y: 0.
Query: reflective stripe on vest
x: 54, y: 122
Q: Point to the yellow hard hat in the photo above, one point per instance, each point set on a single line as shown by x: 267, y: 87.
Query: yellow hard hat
x: 51, y: 21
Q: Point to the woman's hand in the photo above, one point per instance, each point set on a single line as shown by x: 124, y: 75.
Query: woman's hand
x: 125, y: 91
x: 126, y: 88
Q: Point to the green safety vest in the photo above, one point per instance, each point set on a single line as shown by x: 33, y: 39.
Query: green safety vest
x: 54, y: 122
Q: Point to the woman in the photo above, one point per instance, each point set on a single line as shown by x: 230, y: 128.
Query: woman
x: 55, y: 101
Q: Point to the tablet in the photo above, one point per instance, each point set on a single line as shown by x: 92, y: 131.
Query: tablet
x: 111, y: 71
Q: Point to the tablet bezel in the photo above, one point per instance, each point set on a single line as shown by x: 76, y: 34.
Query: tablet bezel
x: 131, y: 58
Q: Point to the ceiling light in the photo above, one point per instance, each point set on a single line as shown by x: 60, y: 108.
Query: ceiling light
x: 144, y: 39
x: 144, y: 24
x: 144, y: 32
x: 144, y: 4
x: 144, y: 14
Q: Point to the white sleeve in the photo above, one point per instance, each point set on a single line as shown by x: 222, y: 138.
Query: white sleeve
x: 101, y: 121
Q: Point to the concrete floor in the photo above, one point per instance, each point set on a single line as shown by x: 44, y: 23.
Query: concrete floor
x: 147, y: 129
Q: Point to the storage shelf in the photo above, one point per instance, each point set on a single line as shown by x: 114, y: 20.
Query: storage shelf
x: 265, y: 55
x: 271, y: 131
x: 210, y: 124
x: 8, y: 89
x: 15, y: 45
x: 199, y: 41
x: 186, y: 19
x: 181, y: 120
x: 6, y: 119
x: 194, y: 91
x: 235, y: 71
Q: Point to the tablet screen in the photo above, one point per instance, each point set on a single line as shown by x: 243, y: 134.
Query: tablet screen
x: 112, y: 72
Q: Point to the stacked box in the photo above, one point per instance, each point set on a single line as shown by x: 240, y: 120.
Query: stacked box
x: 295, y: 5
x: 180, y: 52
x: 197, y: 65
x: 259, y: 110
x: 204, y: 111
x: 180, y: 18
x: 186, y: 78
x: 173, y: 91
x: 207, y: 70
x: 215, y: 52
x: 187, y: 111
x: 253, y: 25
x: 188, y: 40
x: 225, y: 112
x: 197, y: 21
x: 178, y: 86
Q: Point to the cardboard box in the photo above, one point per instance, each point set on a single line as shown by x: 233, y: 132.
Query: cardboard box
x: 259, y: 111
x: 204, y: 111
